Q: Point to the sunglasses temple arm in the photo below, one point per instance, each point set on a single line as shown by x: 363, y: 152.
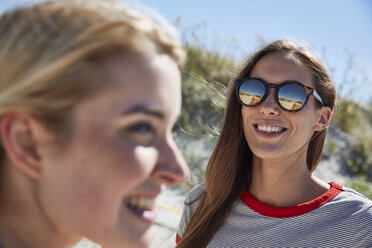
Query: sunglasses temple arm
x: 318, y: 97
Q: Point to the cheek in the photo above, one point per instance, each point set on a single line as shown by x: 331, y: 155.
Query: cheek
x: 118, y: 164
x: 89, y: 186
x: 121, y: 169
x: 140, y: 164
x: 303, y: 122
x: 246, y: 116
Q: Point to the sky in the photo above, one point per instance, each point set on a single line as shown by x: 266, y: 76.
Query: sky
x: 339, y: 30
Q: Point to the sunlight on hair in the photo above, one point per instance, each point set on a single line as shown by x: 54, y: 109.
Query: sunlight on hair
x: 155, y: 16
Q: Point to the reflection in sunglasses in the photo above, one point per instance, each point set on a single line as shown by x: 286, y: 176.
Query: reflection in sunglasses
x: 249, y: 99
x: 289, y: 104
x: 289, y: 95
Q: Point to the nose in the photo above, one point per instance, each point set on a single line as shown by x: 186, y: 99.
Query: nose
x: 269, y: 106
x: 171, y: 167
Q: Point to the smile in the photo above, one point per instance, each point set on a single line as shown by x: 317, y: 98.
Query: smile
x: 142, y: 207
x: 140, y: 202
x: 268, y: 131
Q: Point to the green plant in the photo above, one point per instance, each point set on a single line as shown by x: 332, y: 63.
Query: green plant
x: 356, y: 120
x: 357, y: 159
x: 205, y: 77
x: 197, y: 166
x: 347, y: 116
x: 331, y: 146
x: 361, y: 185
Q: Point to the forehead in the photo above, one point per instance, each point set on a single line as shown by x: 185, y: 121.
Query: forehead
x: 127, y: 82
x: 278, y: 67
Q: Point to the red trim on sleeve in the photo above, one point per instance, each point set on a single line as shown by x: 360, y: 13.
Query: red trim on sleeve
x: 287, y: 212
x: 178, y: 239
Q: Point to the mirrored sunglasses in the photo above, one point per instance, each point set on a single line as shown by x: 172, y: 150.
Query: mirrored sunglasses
x: 289, y: 95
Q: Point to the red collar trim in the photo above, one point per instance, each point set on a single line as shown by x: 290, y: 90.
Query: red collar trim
x: 287, y: 212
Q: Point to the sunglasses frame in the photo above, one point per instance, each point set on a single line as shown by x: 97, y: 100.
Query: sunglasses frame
x: 309, y: 91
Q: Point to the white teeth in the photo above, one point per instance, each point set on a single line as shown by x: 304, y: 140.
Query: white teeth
x: 140, y: 202
x: 269, y: 129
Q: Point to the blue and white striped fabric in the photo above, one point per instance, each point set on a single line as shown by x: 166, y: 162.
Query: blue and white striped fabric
x: 344, y: 221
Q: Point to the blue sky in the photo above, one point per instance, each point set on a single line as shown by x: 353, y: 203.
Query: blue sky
x: 336, y: 29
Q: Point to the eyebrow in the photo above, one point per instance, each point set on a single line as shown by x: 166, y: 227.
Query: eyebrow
x: 143, y: 109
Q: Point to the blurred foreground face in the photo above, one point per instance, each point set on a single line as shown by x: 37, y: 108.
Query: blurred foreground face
x: 103, y: 183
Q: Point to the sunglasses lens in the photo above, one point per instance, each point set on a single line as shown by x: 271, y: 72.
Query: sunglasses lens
x: 292, y: 97
x: 251, y: 92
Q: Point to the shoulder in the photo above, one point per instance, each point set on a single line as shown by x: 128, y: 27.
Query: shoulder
x: 361, y: 208
x: 355, y: 198
x: 191, y: 204
x: 350, y: 204
x: 195, y: 193
x: 362, y: 211
x: 353, y: 202
x: 364, y: 203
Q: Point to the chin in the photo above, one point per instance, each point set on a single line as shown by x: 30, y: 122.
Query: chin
x: 129, y: 240
x: 145, y: 242
x: 266, y: 152
x: 131, y: 244
x: 142, y: 241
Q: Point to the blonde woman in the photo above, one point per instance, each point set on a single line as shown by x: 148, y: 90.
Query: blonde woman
x: 259, y: 189
x: 89, y: 92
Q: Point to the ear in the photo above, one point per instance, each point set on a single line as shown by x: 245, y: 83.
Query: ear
x: 17, y: 130
x: 324, y: 118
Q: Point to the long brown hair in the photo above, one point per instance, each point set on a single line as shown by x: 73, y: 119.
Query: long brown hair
x: 229, y: 168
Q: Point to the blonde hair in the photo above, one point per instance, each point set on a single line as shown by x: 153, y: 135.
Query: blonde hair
x: 229, y: 168
x: 47, y: 51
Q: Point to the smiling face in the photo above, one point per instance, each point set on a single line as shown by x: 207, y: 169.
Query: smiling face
x: 271, y: 132
x: 103, y: 183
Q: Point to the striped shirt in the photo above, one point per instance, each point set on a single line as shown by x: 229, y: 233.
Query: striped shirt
x: 341, y: 217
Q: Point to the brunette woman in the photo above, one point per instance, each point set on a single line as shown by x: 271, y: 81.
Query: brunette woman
x: 259, y: 189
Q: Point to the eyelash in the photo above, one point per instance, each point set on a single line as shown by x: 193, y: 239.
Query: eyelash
x: 142, y: 127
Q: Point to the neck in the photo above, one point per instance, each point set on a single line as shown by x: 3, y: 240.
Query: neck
x: 23, y: 223
x: 284, y: 183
